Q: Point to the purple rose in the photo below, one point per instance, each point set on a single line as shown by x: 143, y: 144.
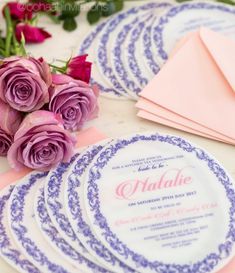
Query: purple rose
x: 10, y: 120
x: 24, y: 83
x: 5, y: 142
x: 41, y: 142
x: 75, y: 100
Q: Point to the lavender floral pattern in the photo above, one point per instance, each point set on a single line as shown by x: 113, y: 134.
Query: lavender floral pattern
x: 17, y: 204
x: 61, y: 244
x: 56, y: 208
x: 158, y: 29
x: 54, y: 187
x: 103, y: 62
x: 117, y: 90
x: 7, y: 250
x: 212, y: 259
x: 74, y: 209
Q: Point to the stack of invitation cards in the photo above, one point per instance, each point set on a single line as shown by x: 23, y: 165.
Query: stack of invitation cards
x: 194, y: 91
x: 117, y: 46
x: 129, y: 49
x: 138, y: 204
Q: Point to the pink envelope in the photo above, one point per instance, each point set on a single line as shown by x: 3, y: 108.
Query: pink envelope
x: 162, y: 120
x: 180, y: 43
x: 196, y: 83
x: 154, y: 112
x: 163, y: 116
x: 85, y: 138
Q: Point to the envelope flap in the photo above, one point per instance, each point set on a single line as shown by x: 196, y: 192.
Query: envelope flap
x: 222, y: 50
x: 191, y: 84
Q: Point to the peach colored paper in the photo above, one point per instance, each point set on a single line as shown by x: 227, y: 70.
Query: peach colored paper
x: 161, y: 120
x: 163, y: 116
x: 192, y: 84
x: 180, y: 43
x: 85, y: 138
x: 149, y: 109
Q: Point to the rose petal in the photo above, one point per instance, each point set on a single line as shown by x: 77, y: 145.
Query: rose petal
x: 5, y: 142
x: 41, y: 142
x: 67, y: 96
x: 24, y: 83
x: 10, y: 119
x: 31, y: 34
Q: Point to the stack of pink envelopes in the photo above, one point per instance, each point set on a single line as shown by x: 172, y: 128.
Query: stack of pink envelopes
x: 195, y: 89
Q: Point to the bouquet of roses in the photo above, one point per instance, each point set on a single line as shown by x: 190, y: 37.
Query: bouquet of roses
x: 40, y: 106
x: 39, y: 110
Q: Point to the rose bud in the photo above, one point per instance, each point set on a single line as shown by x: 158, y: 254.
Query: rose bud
x: 41, y: 142
x: 33, y: 35
x: 24, y: 83
x: 18, y: 11
x: 79, y: 68
x: 75, y: 100
x: 9, y: 123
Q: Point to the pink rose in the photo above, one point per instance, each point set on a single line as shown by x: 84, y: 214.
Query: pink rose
x: 24, y: 83
x: 79, y: 68
x: 10, y: 120
x: 31, y: 34
x: 75, y: 100
x: 41, y: 142
x: 18, y: 11
x: 5, y: 142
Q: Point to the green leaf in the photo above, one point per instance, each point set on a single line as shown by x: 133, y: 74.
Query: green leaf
x: 33, y: 21
x: 226, y: 2
x: 46, y: 1
x: 69, y: 9
x: 55, y: 19
x: 70, y: 24
x: 112, y: 7
x: 94, y: 14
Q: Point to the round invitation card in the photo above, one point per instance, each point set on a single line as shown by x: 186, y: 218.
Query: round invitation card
x: 160, y: 204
